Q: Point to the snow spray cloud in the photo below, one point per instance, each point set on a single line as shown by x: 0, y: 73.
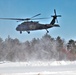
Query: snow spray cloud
x: 46, y: 48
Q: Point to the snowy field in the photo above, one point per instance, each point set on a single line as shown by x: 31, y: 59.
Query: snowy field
x: 38, y: 68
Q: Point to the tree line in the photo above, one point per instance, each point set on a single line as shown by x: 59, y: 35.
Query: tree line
x: 45, y: 48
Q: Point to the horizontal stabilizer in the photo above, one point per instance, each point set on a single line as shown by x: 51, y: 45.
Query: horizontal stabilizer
x: 56, y: 25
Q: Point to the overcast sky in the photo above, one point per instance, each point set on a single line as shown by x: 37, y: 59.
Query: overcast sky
x: 29, y: 8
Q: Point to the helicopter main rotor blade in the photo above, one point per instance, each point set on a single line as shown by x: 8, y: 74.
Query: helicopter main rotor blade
x: 31, y: 17
x: 12, y: 19
x: 20, y: 18
x: 26, y: 19
x: 36, y: 15
x: 40, y: 18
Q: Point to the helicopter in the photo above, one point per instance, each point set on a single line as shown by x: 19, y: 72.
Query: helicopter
x: 28, y: 25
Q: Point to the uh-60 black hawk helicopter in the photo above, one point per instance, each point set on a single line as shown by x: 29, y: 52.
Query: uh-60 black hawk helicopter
x: 29, y: 25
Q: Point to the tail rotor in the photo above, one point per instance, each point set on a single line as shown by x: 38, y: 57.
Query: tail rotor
x: 55, y: 16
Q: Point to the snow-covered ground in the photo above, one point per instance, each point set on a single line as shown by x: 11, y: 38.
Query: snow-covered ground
x: 38, y: 68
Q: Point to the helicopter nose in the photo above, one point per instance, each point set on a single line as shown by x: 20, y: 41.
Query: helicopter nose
x: 17, y: 28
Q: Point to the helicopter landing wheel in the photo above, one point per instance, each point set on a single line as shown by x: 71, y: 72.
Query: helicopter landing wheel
x: 28, y: 32
x: 47, y: 31
x: 20, y: 32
